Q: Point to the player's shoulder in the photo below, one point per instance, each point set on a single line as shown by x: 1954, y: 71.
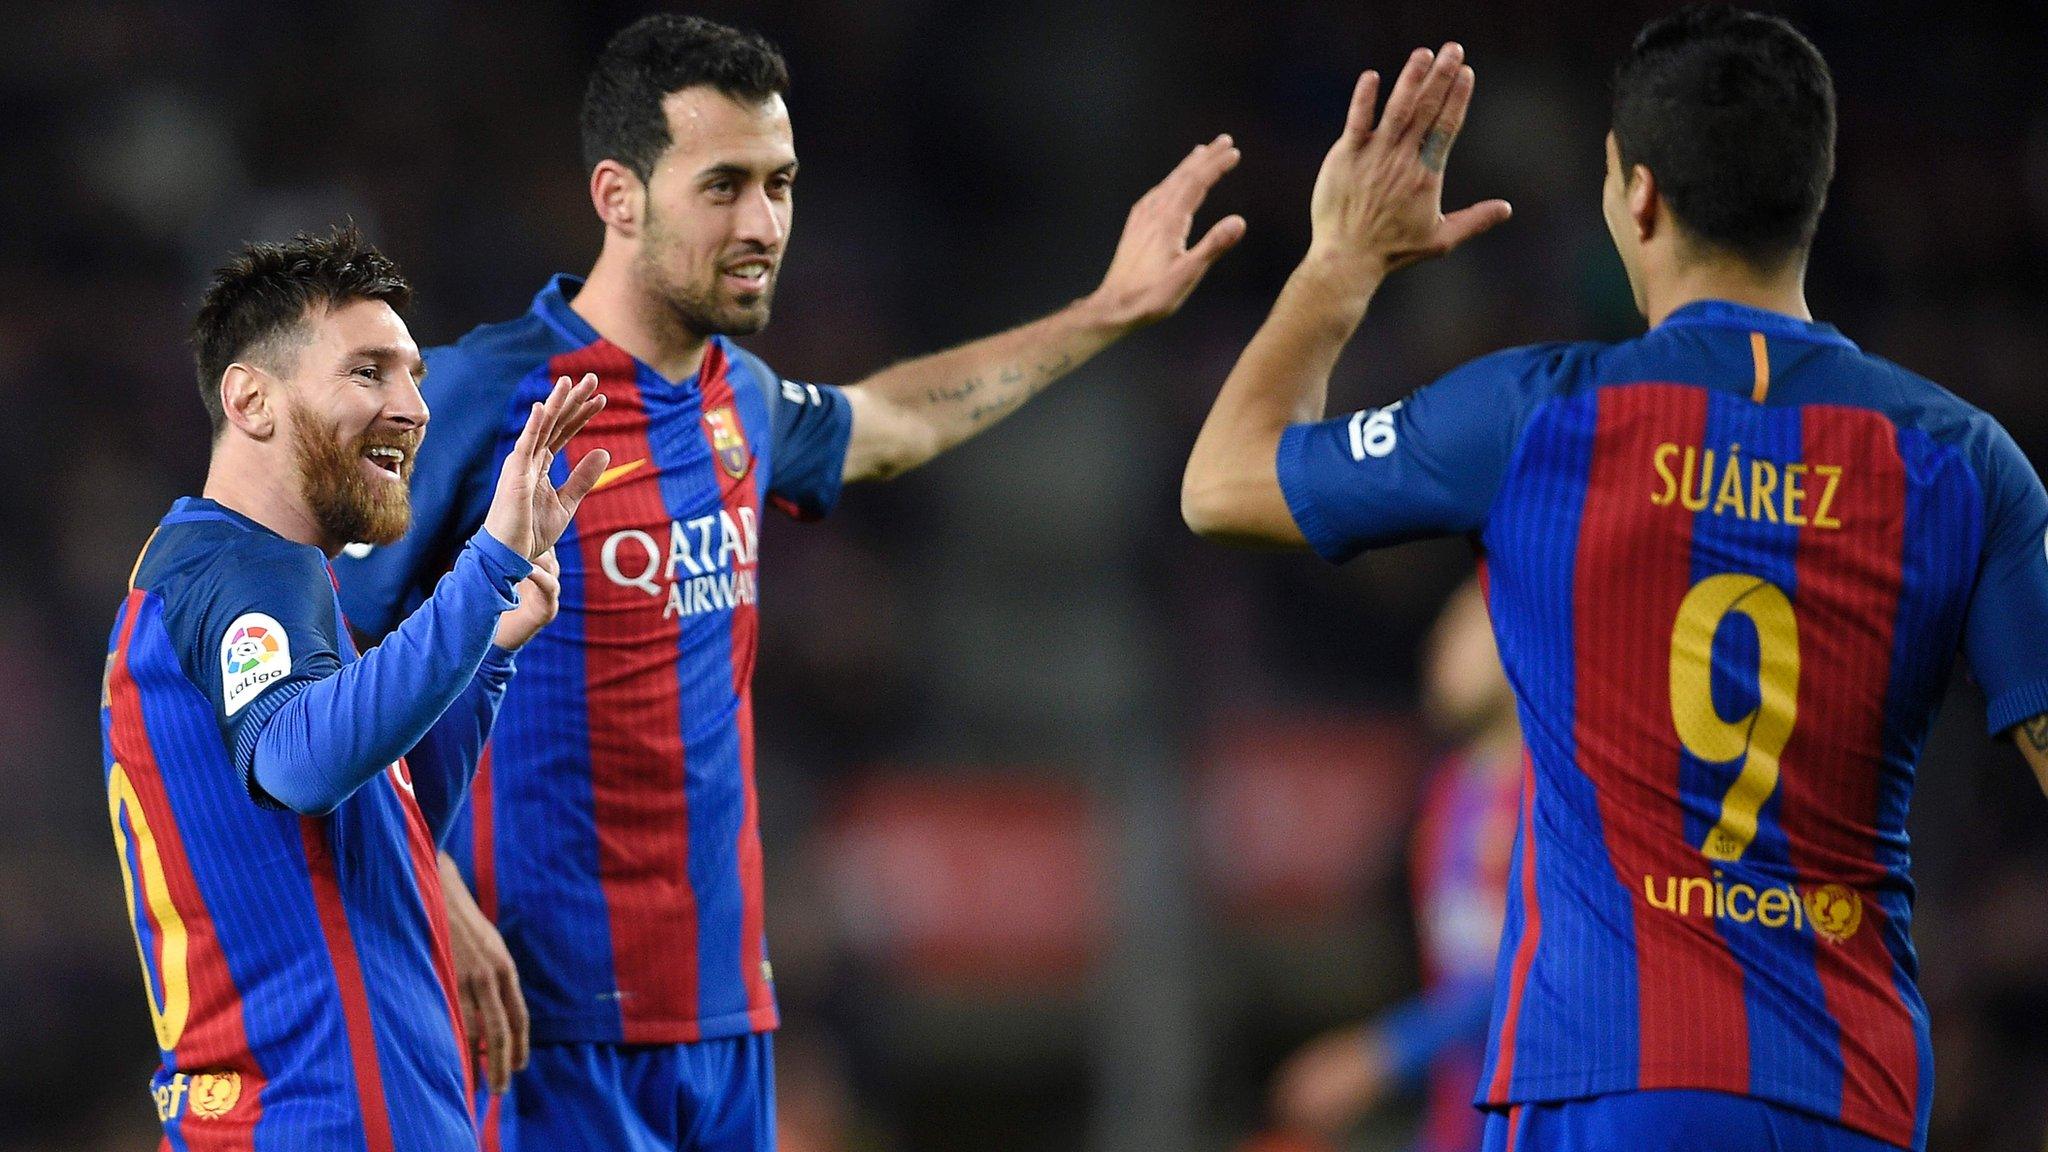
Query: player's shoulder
x: 746, y: 370
x: 206, y: 562
x: 1513, y: 384
x: 491, y: 359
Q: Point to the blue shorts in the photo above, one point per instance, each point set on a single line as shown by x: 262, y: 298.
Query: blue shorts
x: 1669, y: 1120
x: 711, y: 1096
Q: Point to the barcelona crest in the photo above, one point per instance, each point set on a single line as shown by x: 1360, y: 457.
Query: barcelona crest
x: 726, y: 441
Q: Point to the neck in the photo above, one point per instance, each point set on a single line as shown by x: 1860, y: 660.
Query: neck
x: 613, y: 303
x: 1782, y: 291
x: 233, y: 484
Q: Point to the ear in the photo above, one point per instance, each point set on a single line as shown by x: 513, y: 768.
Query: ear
x: 619, y: 197
x: 1645, y: 206
x: 247, y: 396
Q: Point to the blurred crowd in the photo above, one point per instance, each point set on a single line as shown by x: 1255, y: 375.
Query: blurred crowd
x: 1074, y: 826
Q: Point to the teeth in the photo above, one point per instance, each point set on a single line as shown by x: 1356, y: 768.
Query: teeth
x: 750, y: 270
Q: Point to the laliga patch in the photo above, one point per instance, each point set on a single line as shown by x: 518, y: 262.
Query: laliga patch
x: 254, y: 654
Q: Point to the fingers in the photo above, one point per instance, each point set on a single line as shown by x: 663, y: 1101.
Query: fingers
x: 1451, y: 119
x: 1419, y: 93
x: 1436, y: 88
x: 546, y: 577
x: 1185, y: 187
x: 1358, y: 119
x: 1400, y: 110
x: 579, y: 404
x: 583, y: 477
x: 518, y: 1030
x: 494, y: 1033
x: 1465, y: 223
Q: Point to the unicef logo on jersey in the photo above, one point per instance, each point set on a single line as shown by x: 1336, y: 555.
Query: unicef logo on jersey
x: 705, y: 565
x: 255, y: 653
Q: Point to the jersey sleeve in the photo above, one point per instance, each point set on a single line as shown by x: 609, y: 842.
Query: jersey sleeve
x: 446, y: 757
x: 2008, y: 613
x: 267, y: 631
x: 451, y: 490
x: 1428, y: 465
x: 811, y: 425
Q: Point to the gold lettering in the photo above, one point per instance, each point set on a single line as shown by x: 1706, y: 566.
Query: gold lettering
x: 1798, y: 907
x: 1763, y: 484
x: 1832, y: 473
x: 1742, y: 917
x: 169, y: 1096
x: 1670, y: 901
x: 1686, y: 475
x: 1685, y: 888
x: 1795, y: 493
x: 1730, y: 495
x: 1771, y: 905
x: 1661, y: 461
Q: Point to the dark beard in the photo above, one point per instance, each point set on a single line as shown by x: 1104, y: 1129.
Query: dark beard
x: 348, y: 507
x: 700, y: 313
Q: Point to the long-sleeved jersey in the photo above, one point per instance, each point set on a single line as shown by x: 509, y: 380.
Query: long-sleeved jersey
x: 296, y: 965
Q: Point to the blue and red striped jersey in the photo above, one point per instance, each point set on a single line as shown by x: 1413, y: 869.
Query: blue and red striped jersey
x: 297, y: 967
x: 611, y: 832
x: 1731, y: 562
x: 1458, y: 868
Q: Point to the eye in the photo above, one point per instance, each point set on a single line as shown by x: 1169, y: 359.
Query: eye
x: 720, y: 189
x: 369, y: 372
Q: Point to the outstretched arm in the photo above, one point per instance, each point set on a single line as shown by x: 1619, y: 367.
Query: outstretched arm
x: 1377, y: 206
x: 911, y: 412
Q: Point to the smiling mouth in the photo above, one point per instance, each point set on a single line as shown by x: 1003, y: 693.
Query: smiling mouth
x: 390, y: 461
x: 751, y: 273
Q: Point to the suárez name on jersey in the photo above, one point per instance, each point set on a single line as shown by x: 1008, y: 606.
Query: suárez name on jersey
x: 707, y: 564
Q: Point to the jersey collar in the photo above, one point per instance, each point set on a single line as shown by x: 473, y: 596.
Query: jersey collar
x: 551, y: 304
x: 1728, y: 314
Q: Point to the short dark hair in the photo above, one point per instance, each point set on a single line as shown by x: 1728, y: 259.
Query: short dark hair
x: 655, y: 55
x: 263, y: 294
x: 1734, y: 113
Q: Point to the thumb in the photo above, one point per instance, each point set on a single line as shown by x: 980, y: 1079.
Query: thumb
x: 1466, y: 223
x: 1221, y: 237
x: 583, y: 478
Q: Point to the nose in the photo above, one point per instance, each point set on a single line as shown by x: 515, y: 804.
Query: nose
x: 761, y: 220
x: 407, y: 407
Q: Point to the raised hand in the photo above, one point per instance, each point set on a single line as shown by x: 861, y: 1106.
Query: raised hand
x: 1378, y: 201
x: 1154, y: 270
x: 528, y: 513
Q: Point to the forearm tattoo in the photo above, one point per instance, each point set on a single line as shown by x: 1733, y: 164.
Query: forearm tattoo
x: 1011, y: 387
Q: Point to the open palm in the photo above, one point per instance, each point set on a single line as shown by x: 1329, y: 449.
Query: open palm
x: 528, y: 513
x: 1378, y: 200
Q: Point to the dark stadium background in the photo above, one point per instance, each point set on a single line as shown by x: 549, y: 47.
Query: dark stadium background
x: 1074, y: 825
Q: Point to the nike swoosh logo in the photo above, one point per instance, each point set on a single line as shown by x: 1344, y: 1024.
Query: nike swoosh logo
x: 618, y: 472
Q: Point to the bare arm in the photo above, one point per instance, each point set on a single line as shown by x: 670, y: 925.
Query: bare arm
x: 911, y: 412
x: 1377, y: 206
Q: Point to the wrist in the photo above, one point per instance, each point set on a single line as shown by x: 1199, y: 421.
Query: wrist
x: 1103, y: 320
x: 1348, y: 278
